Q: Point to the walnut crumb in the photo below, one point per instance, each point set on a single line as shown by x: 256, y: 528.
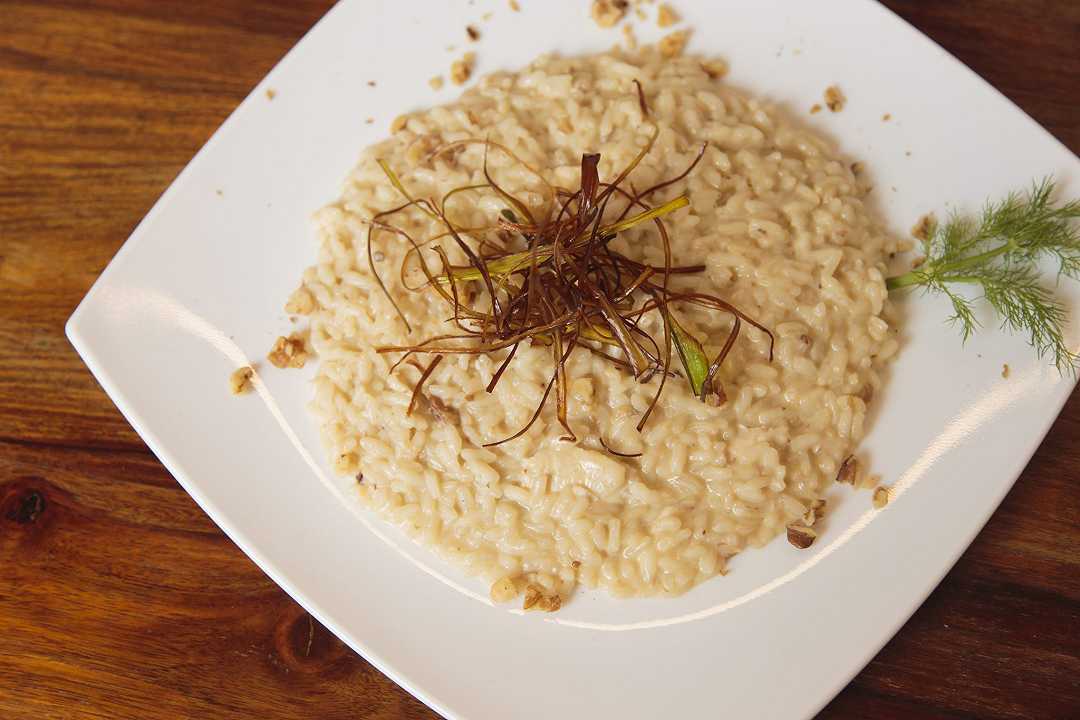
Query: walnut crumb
x: 924, y: 228
x: 461, y: 70
x: 271, y: 93
x: 240, y: 380
x: 849, y: 471
x: 801, y: 536
x: 288, y: 352
x: 606, y: 13
x: 472, y: 32
x: 399, y: 123
x: 369, y: 121
x: 834, y: 99
x: 815, y: 108
x: 886, y: 117
x: 371, y: 83
x: 666, y: 16
x: 715, y: 68
x: 514, y: 6
x: 672, y: 44
x: 301, y: 302
x: 1005, y: 370
x: 857, y: 168
x: 536, y: 598
x: 881, y: 497
x: 436, y: 83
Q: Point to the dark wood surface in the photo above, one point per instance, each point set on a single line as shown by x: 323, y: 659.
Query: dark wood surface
x: 120, y: 599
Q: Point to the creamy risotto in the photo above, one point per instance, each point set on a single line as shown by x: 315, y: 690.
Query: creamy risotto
x: 779, y: 221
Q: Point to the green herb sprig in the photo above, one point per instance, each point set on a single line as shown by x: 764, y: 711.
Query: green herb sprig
x: 998, y: 254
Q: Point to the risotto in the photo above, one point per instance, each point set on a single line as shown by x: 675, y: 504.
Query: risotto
x: 779, y: 222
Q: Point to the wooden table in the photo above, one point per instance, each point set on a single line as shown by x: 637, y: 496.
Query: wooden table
x: 120, y: 599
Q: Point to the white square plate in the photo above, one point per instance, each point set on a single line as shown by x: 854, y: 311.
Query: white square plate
x: 198, y: 289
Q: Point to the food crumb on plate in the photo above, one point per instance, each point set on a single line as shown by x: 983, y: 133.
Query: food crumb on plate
x: 800, y: 535
x: 886, y: 117
x: 240, y: 380
x: 461, y: 70
x: 834, y: 99
x: 472, y: 32
x: 537, y: 599
x: 881, y: 496
x: 849, y: 471
x: 288, y: 352
x: 487, y: 16
x: 715, y: 68
x: 666, y: 16
x: 1005, y: 370
x: 436, y: 83
x: 924, y: 227
x: 514, y: 6
x: 815, y: 108
x: 629, y: 38
x: 607, y: 13
x: 369, y: 120
x: 672, y: 44
x: 271, y: 93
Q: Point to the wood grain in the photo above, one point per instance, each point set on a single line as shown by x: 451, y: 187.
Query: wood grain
x: 120, y: 599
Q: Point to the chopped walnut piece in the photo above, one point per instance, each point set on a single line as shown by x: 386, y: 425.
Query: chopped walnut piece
x: 436, y: 83
x: 666, y: 16
x: 606, y: 13
x: 857, y: 168
x: 399, y: 123
x: 886, y: 117
x: 503, y: 590
x: 815, y: 108
x: 472, y: 32
x: 536, y: 598
x: 514, y: 6
x: 849, y: 471
x: 672, y: 44
x: 549, y: 603
x: 924, y: 228
x: 881, y: 497
x: 834, y: 99
x: 240, y: 380
x: 1005, y: 370
x: 532, y: 596
x: 301, y: 302
x: 461, y: 70
x: 867, y: 393
x: 271, y: 93
x: 801, y: 536
x: 715, y: 68
x: 288, y: 352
